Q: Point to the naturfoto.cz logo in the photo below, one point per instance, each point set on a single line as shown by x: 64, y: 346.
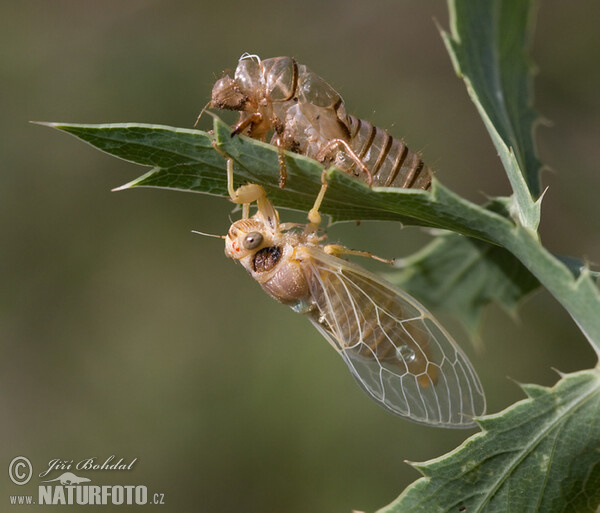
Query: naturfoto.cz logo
x: 70, y: 487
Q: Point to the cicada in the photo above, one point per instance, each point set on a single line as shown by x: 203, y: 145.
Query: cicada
x: 307, y: 116
x: 396, y: 350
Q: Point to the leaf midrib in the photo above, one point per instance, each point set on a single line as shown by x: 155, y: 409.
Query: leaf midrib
x: 521, y: 456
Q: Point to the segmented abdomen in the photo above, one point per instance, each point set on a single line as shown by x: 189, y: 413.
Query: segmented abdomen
x: 390, y: 161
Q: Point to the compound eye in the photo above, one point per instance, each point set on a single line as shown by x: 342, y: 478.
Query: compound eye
x: 252, y: 240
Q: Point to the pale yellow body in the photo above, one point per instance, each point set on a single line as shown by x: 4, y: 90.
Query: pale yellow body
x: 396, y: 350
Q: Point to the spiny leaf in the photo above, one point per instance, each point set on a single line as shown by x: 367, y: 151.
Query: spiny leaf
x: 186, y: 160
x: 541, y: 454
x: 488, y: 44
x: 462, y: 276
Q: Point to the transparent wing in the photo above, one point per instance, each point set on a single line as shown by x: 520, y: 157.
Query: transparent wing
x: 396, y: 350
x: 314, y: 90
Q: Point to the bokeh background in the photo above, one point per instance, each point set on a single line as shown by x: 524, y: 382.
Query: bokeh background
x: 123, y: 333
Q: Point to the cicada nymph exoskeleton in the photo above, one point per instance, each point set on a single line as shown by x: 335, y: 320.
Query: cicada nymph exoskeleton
x: 307, y: 116
x: 395, y: 349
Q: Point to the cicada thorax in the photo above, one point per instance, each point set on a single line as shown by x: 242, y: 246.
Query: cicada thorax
x: 271, y: 85
x: 281, y: 275
x: 395, y: 337
x: 306, y: 110
x: 257, y: 92
x: 279, y: 79
x: 315, y: 116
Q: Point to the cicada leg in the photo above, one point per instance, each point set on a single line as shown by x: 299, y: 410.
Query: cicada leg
x: 276, y: 140
x: 253, y: 119
x: 313, y: 214
x: 334, y: 249
x: 333, y: 144
x: 338, y: 249
x: 247, y: 194
x: 201, y: 112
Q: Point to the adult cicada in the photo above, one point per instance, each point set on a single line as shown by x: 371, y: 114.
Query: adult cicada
x: 396, y: 350
x: 306, y: 115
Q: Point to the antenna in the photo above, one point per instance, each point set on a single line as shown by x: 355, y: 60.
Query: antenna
x: 209, y: 234
x: 202, y: 112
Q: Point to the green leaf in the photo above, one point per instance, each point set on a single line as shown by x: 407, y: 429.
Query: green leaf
x: 186, y: 160
x: 462, y: 276
x: 541, y: 454
x: 488, y: 44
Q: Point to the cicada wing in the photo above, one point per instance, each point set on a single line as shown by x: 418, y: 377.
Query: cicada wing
x: 309, y: 128
x: 396, y: 350
x: 312, y: 89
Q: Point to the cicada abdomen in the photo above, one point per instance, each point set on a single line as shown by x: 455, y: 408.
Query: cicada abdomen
x: 390, y: 161
x: 308, y: 116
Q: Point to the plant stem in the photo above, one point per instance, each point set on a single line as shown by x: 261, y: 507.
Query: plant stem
x: 580, y: 297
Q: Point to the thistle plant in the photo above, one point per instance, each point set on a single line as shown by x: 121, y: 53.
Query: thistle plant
x: 540, y: 454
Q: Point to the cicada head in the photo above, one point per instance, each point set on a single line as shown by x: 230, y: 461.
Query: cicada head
x: 227, y: 95
x: 245, y: 238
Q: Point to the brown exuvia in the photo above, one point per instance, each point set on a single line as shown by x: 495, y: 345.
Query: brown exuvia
x: 306, y: 115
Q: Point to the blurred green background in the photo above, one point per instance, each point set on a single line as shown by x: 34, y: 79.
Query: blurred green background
x: 123, y: 333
